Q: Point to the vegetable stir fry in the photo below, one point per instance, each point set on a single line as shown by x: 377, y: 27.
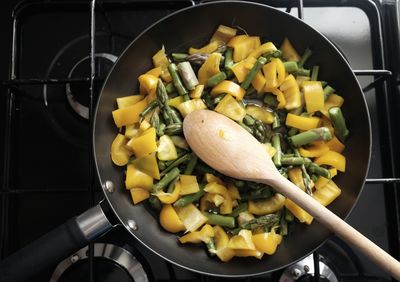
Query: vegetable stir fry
x: 272, y: 93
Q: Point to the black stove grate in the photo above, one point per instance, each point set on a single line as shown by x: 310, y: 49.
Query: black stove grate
x: 384, y: 40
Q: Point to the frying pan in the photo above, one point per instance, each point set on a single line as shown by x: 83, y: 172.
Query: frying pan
x: 193, y: 27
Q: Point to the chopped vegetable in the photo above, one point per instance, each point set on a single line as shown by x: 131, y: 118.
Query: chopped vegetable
x: 276, y: 95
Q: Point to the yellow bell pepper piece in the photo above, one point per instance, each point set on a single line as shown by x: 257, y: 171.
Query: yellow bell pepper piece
x: 296, y: 176
x: 327, y: 194
x: 209, y: 68
x: 334, y: 159
x: 302, y: 123
x: 317, y: 150
x: 161, y: 60
x: 242, y: 241
x: 210, y: 178
x: 260, y: 114
x: 300, y: 79
x: 144, y: 125
x: 291, y: 90
x: 313, y: 96
x: 229, y: 107
x: 215, y: 188
x: 249, y: 253
x: 207, y: 49
x: 130, y: 114
x: 189, y: 184
x: 233, y: 192
x: 269, y: 70
x: 191, y: 105
x: 240, y: 71
x: 266, y: 206
x: 335, y: 145
x: 223, y: 34
x: 155, y: 71
x: 279, y: 96
x: 322, y: 181
x: 191, y: 217
x: 139, y: 195
x: 147, y: 83
x: 208, y: 199
x: 148, y: 164
x: 221, y: 244
x: 144, y: 144
x: 137, y: 179
x: 169, y: 219
x: 288, y: 51
x: 258, y: 82
x: 169, y: 198
x: 333, y: 100
x: 127, y: 101
x: 280, y: 70
x: 243, y: 45
x: 119, y: 152
x: 229, y: 87
x: 175, y: 102
x: 197, y: 92
x: 203, y: 235
x: 265, y: 48
x: 166, y: 150
x: 267, y: 242
x: 298, y: 212
x: 131, y: 131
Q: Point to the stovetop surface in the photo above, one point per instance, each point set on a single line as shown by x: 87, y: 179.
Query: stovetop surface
x: 51, y: 175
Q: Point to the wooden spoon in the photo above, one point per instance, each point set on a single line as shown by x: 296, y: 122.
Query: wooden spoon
x: 227, y: 147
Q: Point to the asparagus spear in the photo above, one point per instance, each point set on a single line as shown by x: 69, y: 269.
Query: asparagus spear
x: 170, y: 88
x: 228, y: 59
x: 173, y: 129
x: 291, y: 66
x: 277, y: 122
x: 198, y: 59
x: 160, y: 129
x: 149, y: 108
x: 155, y: 202
x: 307, y: 53
x: 240, y: 208
x: 293, y: 161
x: 212, y: 250
x: 252, y: 73
x: 175, y: 163
x: 191, y: 164
x: 173, y: 70
x: 162, y: 100
x: 215, y: 79
x: 257, y: 194
x: 188, y: 76
x: 270, y: 100
x: 306, y: 177
x: 276, y: 143
x: 314, y: 73
x: 328, y: 91
x: 155, y: 120
x: 221, y: 220
x: 314, y: 168
x: 187, y: 199
x: 265, y: 221
x: 316, y: 134
x: 339, y: 123
x: 248, y: 120
x: 303, y: 72
x: 179, y: 57
x: 168, y: 177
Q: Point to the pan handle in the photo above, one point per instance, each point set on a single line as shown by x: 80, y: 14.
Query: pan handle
x: 55, y: 245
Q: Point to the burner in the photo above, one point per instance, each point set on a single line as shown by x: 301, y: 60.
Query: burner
x: 78, y: 94
x: 304, y: 271
x: 67, y: 104
x: 110, y: 263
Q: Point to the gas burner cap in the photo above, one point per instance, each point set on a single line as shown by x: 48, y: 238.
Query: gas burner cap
x: 110, y: 263
x: 304, y: 271
x: 78, y: 95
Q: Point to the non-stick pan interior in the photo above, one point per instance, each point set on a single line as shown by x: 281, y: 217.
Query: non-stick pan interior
x: 193, y: 27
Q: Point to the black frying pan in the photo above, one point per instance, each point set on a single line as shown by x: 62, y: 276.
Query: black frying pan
x: 193, y: 27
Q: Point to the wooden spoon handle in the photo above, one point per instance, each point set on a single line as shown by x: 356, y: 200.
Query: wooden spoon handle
x: 337, y: 225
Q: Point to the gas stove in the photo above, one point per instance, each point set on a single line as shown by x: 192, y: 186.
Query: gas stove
x: 48, y: 172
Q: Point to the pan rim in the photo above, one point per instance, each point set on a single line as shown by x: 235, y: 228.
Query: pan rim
x: 344, y: 61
